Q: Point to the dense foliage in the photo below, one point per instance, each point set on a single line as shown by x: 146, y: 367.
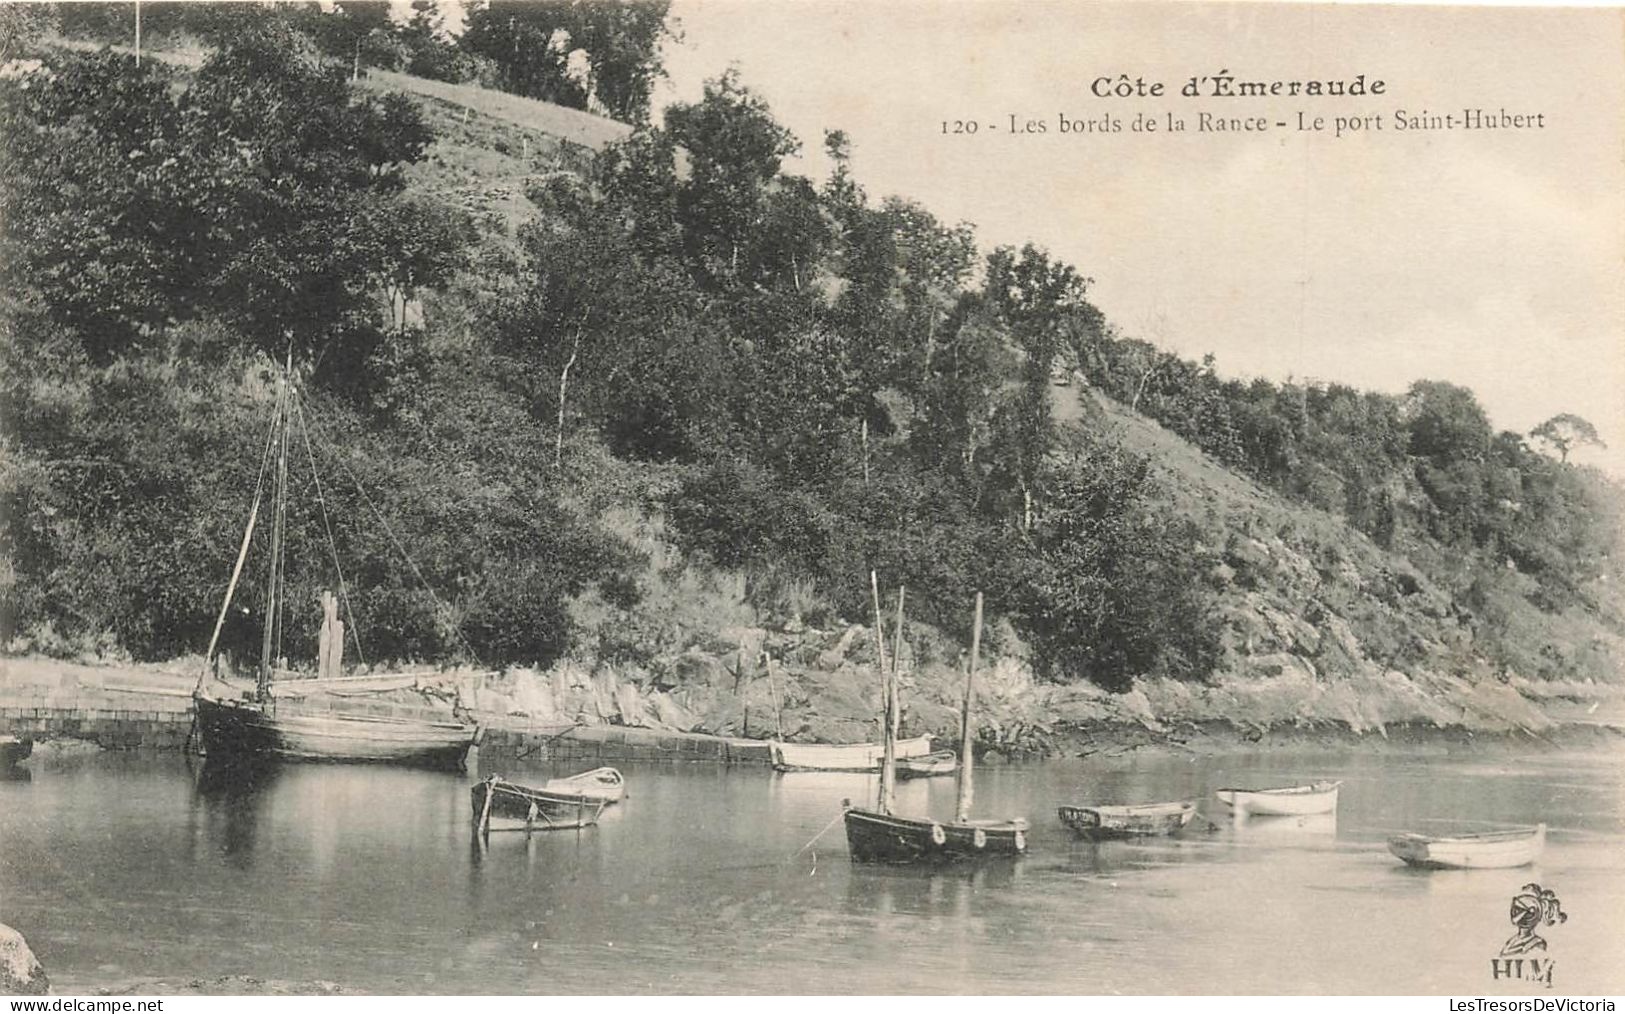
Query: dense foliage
x: 823, y: 383
x: 595, y: 55
x: 164, y: 244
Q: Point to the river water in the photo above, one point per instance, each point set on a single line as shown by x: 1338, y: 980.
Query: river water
x: 123, y: 866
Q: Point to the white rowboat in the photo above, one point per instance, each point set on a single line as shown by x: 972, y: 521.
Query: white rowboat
x: 599, y: 783
x: 1287, y: 801
x: 1492, y: 850
x: 843, y: 756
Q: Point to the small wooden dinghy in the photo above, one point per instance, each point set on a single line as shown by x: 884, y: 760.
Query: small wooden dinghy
x: 1138, y: 821
x: 599, y: 783
x: 1287, y: 801
x: 14, y: 749
x: 504, y: 806
x: 1491, y: 850
x: 942, y: 762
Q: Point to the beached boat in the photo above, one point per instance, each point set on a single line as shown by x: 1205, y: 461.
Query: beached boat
x: 14, y: 749
x: 841, y: 756
x: 501, y: 805
x: 938, y: 762
x: 1136, y: 821
x: 1286, y: 801
x: 599, y: 783
x: 1490, y: 850
x: 879, y: 835
x: 238, y: 724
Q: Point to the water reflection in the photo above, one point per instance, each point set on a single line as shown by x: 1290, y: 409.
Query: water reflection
x: 231, y: 797
x: 738, y: 880
x: 11, y: 773
x: 1276, y: 829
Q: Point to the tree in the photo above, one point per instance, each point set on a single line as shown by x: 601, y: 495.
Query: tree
x: 735, y: 148
x: 1033, y: 295
x: 21, y: 25
x: 1112, y: 589
x: 534, y: 44
x: 1564, y: 432
x: 97, y: 201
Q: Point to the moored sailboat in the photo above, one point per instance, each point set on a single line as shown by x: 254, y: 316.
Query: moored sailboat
x: 880, y: 835
x: 237, y: 724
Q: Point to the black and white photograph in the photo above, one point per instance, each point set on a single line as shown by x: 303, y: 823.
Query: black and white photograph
x: 953, y: 498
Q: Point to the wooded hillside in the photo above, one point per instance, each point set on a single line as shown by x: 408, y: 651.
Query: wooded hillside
x: 584, y: 389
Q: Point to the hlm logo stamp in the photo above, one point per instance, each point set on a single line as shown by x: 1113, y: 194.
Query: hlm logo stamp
x: 1524, y: 956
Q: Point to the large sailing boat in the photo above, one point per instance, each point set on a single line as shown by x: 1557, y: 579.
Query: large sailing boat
x: 237, y: 723
x: 880, y: 835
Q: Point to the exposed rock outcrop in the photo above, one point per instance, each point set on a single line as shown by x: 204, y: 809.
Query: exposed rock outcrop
x: 21, y: 974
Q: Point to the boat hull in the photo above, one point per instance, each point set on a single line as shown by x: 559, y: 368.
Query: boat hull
x: 233, y: 730
x: 884, y: 838
x: 600, y: 783
x: 1291, y: 801
x: 1494, y: 851
x: 842, y: 757
x: 14, y: 749
x: 504, y: 806
x: 932, y: 765
x: 1155, y: 819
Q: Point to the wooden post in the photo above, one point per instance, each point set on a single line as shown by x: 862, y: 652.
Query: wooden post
x: 967, y: 730
x: 330, y: 642
x: 885, y: 696
x: 778, y: 702
x: 324, y: 638
x: 888, y: 767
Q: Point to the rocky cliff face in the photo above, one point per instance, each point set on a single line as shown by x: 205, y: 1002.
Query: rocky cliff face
x: 1320, y: 627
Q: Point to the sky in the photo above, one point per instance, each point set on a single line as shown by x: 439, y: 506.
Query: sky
x: 1491, y: 259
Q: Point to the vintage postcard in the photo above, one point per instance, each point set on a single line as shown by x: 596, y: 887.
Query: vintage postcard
x: 706, y: 497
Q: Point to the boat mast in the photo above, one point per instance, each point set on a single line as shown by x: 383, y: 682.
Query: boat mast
x: 273, y: 592
x: 888, y: 769
x: 967, y: 731
x: 888, y: 749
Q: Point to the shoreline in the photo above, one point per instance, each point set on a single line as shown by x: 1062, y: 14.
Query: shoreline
x: 124, y: 707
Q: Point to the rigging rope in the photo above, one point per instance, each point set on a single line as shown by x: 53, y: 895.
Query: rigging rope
x: 332, y: 546
x: 456, y: 629
x: 819, y: 835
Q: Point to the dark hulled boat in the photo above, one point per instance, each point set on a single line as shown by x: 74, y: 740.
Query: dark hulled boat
x: 237, y: 724
x: 881, y: 836
x: 1142, y: 820
x: 14, y: 749
x: 242, y: 730
x: 887, y: 838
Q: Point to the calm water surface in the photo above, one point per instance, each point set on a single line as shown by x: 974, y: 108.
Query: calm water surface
x: 123, y: 866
